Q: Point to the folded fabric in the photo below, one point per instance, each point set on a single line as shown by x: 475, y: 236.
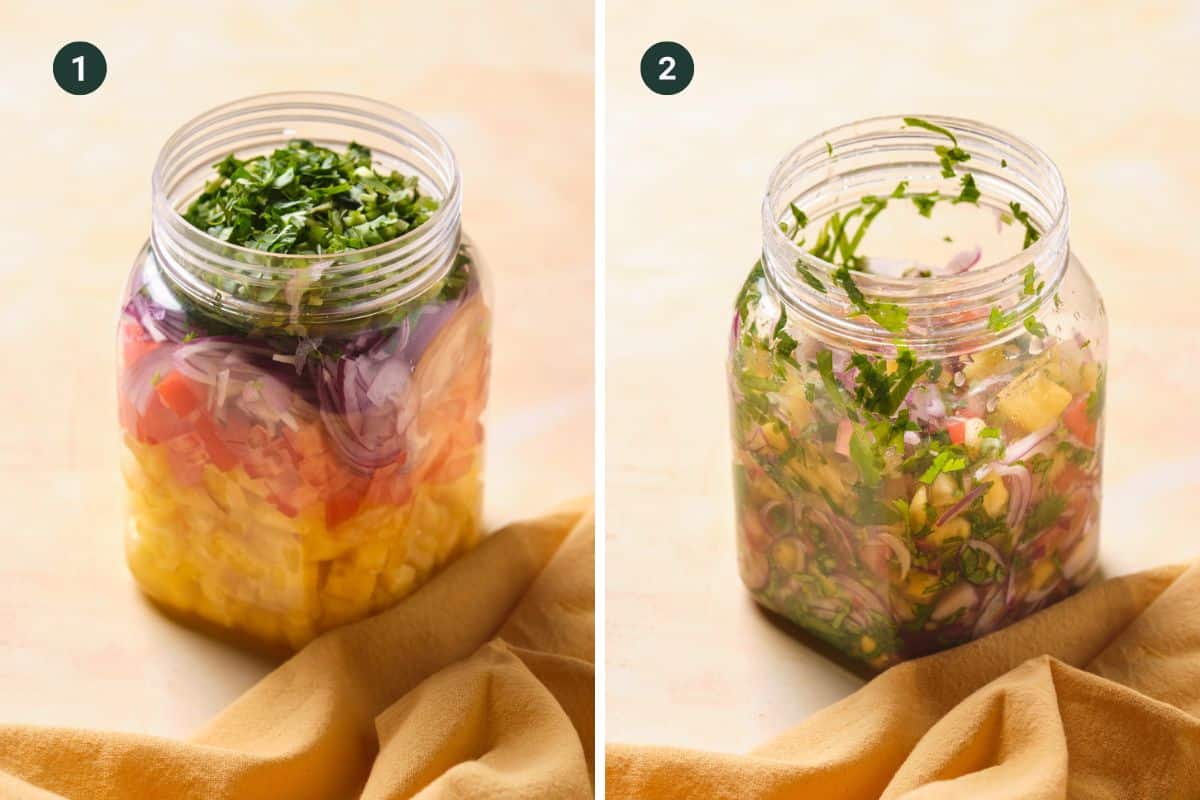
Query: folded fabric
x: 1096, y: 697
x: 478, y: 685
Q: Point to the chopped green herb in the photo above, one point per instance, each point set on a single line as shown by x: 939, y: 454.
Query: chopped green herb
x: 946, y: 461
x: 969, y: 193
x: 809, y: 278
x: 829, y: 149
x: 917, y: 122
x: 888, y: 316
x: 1045, y: 512
x: 1035, y: 327
x: 303, y: 198
x: 863, y: 456
x: 998, y: 320
x: 1031, y: 232
x: 1031, y: 285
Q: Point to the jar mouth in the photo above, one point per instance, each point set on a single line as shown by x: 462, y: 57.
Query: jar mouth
x: 834, y: 169
x: 362, y: 281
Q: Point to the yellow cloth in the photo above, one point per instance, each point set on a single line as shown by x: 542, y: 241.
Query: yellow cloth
x: 478, y: 685
x: 1096, y: 697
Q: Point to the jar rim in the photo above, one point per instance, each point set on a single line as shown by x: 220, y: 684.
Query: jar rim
x: 853, y: 150
x: 406, y: 264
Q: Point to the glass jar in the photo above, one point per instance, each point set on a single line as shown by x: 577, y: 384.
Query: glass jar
x: 303, y: 437
x: 917, y: 450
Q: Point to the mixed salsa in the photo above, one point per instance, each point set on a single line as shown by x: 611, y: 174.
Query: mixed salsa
x: 895, y: 505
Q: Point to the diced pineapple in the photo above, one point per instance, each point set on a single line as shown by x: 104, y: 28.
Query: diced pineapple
x: 973, y: 428
x: 916, y: 509
x: 348, y: 582
x: 995, y: 499
x: 943, y: 490
x: 957, y: 528
x: 920, y: 584
x: 984, y: 363
x: 1033, y: 401
x: 1042, y: 572
x: 795, y: 403
x: 777, y: 438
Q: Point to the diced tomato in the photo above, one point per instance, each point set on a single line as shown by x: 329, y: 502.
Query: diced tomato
x: 135, y: 342
x: 186, y: 457
x: 218, y: 452
x: 1068, y: 478
x: 1079, y: 423
x: 179, y: 394
x: 957, y: 428
x: 158, y: 423
x: 307, y: 442
x: 341, y: 504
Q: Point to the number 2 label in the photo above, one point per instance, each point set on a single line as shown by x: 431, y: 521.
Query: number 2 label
x: 666, y: 62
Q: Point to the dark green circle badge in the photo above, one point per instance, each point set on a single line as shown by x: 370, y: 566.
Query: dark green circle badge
x: 79, y: 68
x: 667, y: 68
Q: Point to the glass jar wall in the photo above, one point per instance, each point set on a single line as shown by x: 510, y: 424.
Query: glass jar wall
x: 917, y: 413
x: 303, y: 433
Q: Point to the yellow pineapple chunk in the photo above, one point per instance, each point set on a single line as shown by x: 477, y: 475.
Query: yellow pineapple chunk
x: 1032, y: 402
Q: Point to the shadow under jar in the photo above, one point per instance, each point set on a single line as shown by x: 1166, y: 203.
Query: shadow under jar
x: 917, y: 441
x: 303, y: 435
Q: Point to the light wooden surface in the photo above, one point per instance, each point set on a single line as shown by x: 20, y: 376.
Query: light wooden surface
x: 510, y: 86
x: 1102, y: 87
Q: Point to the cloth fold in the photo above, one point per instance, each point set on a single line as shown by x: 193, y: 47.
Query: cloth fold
x: 1096, y: 697
x: 480, y: 684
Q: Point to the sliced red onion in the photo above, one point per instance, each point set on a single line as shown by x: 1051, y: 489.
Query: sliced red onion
x: 764, y: 516
x: 961, y: 506
x: 1019, y: 484
x: 962, y: 596
x: 994, y: 608
x: 962, y: 261
x: 912, y: 438
x: 925, y: 403
x: 987, y: 549
x: 902, y: 553
x: 865, y: 597
x: 392, y: 378
x: 1026, y: 444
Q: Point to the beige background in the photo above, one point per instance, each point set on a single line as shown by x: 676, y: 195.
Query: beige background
x: 510, y: 86
x: 1106, y: 89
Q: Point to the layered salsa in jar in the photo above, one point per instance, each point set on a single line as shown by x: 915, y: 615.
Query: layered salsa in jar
x: 917, y: 371
x: 303, y: 355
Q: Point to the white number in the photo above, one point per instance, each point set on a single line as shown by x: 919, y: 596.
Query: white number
x: 78, y: 62
x: 666, y: 75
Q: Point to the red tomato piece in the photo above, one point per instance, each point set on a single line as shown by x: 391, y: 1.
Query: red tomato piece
x: 1079, y: 423
x: 157, y: 423
x: 957, y: 428
x: 179, y: 394
x: 218, y: 452
x: 342, y: 504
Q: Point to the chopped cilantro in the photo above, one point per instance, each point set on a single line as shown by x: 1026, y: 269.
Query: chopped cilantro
x: 863, y: 456
x: 998, y: 320
x: 969, y: 193
x: 949, y: 460
x: 1035, y: 327
x: 304, y: 198
x: 888, y: 316
x: 809, y: 278
x: 1031, y: 232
